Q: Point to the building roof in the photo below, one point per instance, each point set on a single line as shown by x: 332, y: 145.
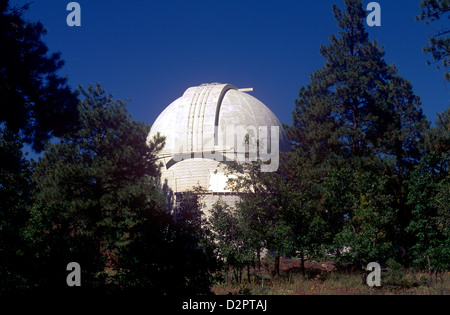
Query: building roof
x: 198, y: 123
x: 189, y: 123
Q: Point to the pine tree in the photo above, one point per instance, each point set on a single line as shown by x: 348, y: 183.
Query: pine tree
x: 357, y: 114
x: 36, y: 102
x: 356, y: 103
x: 92, y: 190
x: 439, y: 48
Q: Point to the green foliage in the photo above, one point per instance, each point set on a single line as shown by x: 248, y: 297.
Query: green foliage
x: 397, y: 278
x: 90, y: 191
x: 98, y: 202
x: 356, y: 133
x: 439, y: 48
x: 429, y: 199
x: 352, y: 188
x: 36, y: 105
x: 234, y: 246
x: 429, y: 225
x: 35, y: 101
x: 171, y: 256
x: 366, y: 180
x: 437, y: 139
x: 356, y: 105
x: 263, y: 210
x: 369, y: 227
x: 311, y: 223
x: 15, y: 191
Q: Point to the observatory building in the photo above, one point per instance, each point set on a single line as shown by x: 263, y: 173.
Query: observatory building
x: 203, y: 129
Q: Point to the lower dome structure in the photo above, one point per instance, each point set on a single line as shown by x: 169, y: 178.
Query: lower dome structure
x: 211, y: 124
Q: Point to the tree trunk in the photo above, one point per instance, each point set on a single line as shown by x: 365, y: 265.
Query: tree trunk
x: 302, y: 265
x: 355, y: 141
x: 277, y: 265
x: 430, y: 273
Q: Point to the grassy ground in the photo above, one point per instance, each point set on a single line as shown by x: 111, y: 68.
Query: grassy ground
x: 324, y: 279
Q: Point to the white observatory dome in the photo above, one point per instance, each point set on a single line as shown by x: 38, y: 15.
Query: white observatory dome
x: 196, y: 124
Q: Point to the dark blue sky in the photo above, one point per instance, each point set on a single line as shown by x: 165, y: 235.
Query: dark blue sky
x: 152, y: 51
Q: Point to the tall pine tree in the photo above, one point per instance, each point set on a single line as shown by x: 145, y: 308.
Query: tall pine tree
x: 356, y: 105
x: 357, y: 114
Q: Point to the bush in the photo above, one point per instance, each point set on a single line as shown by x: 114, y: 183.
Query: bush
x: 395, y: 278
